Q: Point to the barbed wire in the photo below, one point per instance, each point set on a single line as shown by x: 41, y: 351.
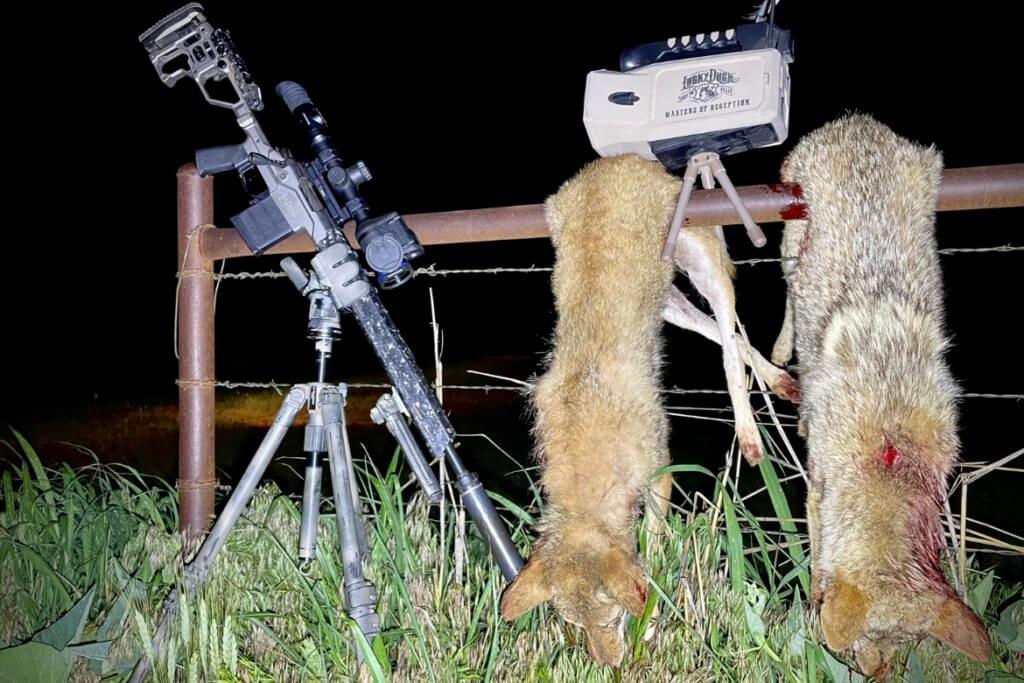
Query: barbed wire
x: 433, y: 271
x: 486, y: 388
x: 1016, y: 397
x: 963, y: 250
x: 950, y: 251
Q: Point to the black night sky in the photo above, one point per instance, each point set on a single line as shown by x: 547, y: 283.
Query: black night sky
x: 451, y: 109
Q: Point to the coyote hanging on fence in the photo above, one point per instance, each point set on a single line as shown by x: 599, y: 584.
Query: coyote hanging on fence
x: 879, y: 403
x: 600, y: 427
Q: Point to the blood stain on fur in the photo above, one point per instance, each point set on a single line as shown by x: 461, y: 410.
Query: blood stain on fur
x: 890, y: 454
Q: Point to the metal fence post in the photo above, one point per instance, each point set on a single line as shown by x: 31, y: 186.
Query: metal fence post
x: 196, y: 463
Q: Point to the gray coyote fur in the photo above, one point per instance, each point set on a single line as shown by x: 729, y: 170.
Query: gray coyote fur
x: 879, y: 406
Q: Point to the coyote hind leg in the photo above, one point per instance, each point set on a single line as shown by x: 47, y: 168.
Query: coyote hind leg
x: 792, y: 240
x: 679, y: 311
x: 702, y: 255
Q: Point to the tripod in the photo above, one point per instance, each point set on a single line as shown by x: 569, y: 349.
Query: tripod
x: 709, y: 166
x: 326, y: 433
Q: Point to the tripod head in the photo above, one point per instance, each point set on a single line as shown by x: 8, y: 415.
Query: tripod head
x: 389, y: 411
x: 324, y: 320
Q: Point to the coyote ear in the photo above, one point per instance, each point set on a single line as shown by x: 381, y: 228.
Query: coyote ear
x: 624, y: 580
x: 528, y: 590
x: 843, y: 615
x: 957, y: 626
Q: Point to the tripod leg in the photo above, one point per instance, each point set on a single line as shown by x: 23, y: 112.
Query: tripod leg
x: 314, y: 446
x: 360, y: 594
x: 668, y: 252
x: 357, y: 504
x: 754, y: 231
x: 198, y: 568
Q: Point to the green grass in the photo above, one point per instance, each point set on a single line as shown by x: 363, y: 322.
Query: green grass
x: 730, y: 589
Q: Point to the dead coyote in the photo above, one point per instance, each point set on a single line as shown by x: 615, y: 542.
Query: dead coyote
x: 879, y: 404
x: 600, y: 428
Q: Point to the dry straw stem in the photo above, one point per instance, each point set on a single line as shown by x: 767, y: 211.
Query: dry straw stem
x: 964, y: 480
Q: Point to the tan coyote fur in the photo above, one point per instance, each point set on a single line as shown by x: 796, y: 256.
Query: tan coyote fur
x: 600, y: 427
x: 879, y: 403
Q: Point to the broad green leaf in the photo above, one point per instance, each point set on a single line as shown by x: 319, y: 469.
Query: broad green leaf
x: 839, y: 672
x: 40, y: 472
x: 380, y: 650
x: 978, y: 596
x: 915, y: 674
x: 520, y: 513
x: 755, y: 625
x: 734, y: 546
x: 783, y: 512
x: 69, y: 627
x: 667, y: 469
x: 33, y: 662
x: 1010, y: 628
x: 114, y: 619
x: 369, y: 658
x: 97, y: 651
x: 311, y: 658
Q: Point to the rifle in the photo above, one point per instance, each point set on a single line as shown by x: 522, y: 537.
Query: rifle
x: 319, y: 197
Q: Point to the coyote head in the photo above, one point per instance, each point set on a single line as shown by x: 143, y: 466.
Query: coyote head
x: 877, y: 517
x: 873, y: 622
x: 592, y: 586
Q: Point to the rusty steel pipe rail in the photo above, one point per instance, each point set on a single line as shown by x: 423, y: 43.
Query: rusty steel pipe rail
x: 962, y: 189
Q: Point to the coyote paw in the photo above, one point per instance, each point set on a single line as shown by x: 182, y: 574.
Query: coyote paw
x: 786, y: 387
x: 751, y: 449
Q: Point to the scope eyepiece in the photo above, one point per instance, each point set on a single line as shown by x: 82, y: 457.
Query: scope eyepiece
x: 389, y: 245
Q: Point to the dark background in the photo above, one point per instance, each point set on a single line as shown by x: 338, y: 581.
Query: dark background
x: 451, y: 110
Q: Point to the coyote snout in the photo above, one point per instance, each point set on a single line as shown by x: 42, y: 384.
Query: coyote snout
x: 592, y: 586
x: 878, y: 401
